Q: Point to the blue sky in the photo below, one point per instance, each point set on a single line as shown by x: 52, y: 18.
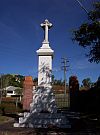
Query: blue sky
x: 21, y: 35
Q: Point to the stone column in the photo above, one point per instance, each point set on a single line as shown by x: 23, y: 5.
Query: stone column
x: 45, y: 54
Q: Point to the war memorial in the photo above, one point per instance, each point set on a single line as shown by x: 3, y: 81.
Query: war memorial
x: 43, y: 109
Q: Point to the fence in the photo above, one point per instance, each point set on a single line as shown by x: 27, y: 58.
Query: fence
x: 62, y: 100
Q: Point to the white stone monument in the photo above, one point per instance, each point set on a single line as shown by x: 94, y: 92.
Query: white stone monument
x: 43, y: 109
x: 45, y: 54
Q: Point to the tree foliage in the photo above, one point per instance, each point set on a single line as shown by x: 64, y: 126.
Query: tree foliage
x: 98, y: 83
x: 86, y: 82
x: 73, y: 83
x: 11, y: 80
x: 18, y: 91
x: 88, y: 34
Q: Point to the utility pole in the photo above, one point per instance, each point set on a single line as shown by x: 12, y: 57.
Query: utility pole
x: 66, y: 93
x: 64, y: 68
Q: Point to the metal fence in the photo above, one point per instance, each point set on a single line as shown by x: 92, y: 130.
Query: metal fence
x: 62, y: 100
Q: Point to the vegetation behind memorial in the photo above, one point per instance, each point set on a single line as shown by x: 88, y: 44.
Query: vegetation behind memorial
x: 83, y: 98
x: 87, y: 99
x: 10, y: 104
x: 11, y: 80
x: 88, y: 34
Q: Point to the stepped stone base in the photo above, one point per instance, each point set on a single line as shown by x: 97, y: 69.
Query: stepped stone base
x: 44, y: 120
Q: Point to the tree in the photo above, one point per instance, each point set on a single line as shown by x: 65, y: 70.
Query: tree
x: 4, y: 80
x: 98, y: 82
x: 13, y: 80
x: 19, y: 91
x: 88, y: 34
x: 87, y: 82
x: 35, y: 79
x: 74, y: 91
x: 16, y: 80
x: 53, y: 79
x: 73, y: 84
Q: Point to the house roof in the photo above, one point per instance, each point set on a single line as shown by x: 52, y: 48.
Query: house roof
x: 11, y: 88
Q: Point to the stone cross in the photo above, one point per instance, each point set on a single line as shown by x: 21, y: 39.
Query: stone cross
x: 46, y: 26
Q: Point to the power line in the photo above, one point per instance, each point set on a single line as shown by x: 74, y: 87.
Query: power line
x: 82, y: 7
x: 87, y: 12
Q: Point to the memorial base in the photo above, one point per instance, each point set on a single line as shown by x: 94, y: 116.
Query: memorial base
x: 44, y: 120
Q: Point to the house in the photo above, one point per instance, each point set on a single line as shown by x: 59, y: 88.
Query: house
x: 11, y: 91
